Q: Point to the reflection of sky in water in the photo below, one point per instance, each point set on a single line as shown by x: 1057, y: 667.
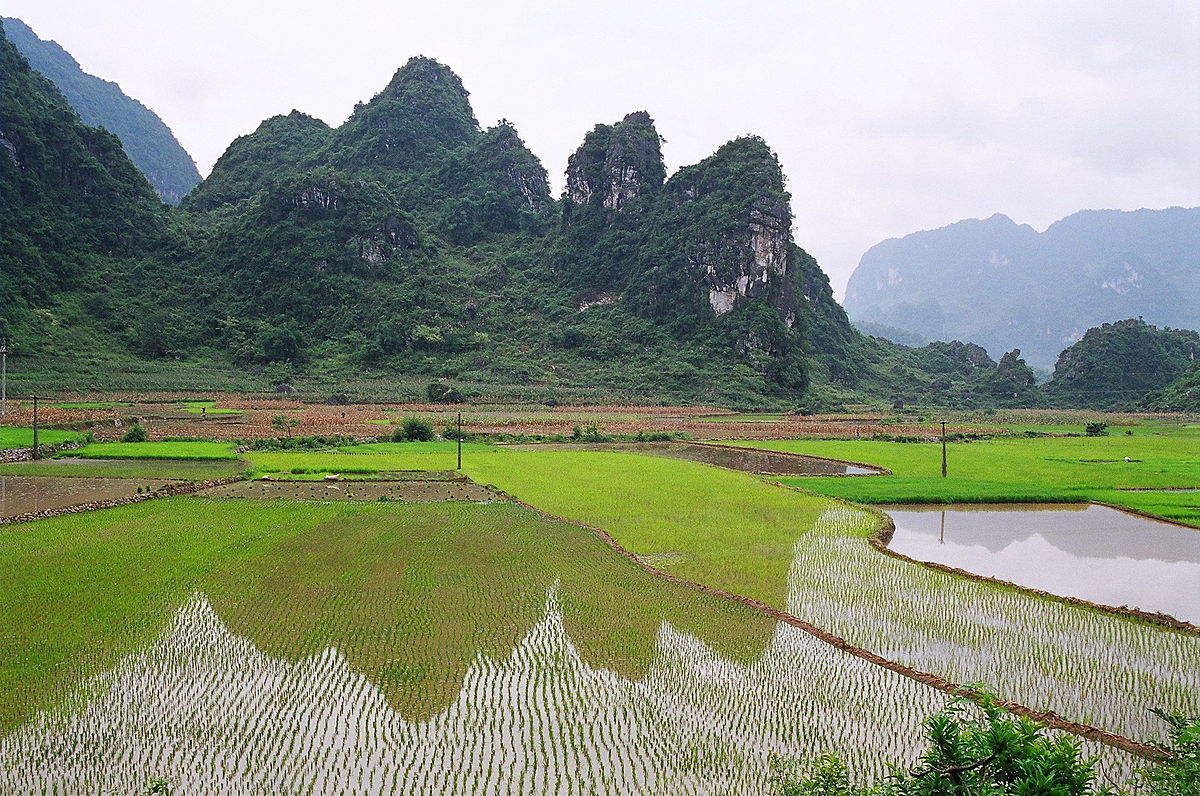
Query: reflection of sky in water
x: 1093, y: 552
x: 207, y: 710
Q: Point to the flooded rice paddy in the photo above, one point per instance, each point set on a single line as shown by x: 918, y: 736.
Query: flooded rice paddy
x: 1095, y: 553
x: 316, y: 661
x: 1092, y: 667
x: 25, y: 494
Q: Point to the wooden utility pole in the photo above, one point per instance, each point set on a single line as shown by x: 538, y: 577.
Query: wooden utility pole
x: 459, y: 441
x: 943, y: 449
x: 3, y: 378
x: 35, y: 428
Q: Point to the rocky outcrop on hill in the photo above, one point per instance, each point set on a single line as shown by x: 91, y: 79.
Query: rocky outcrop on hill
x: 617, y: 163
x: 249, y: 165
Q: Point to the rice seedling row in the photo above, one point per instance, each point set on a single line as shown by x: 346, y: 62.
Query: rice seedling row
x: 275, y: 646
x: 811, y: 558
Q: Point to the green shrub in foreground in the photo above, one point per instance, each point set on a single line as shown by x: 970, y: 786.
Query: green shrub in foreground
x: 980, y: 750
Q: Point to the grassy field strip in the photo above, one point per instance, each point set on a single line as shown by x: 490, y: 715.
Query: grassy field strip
x: 16, y: 437
x: 197, y: 451
x: 176, y: 469
x: 1057, y: 470
x: 786, y: 550
x: 251, y: 647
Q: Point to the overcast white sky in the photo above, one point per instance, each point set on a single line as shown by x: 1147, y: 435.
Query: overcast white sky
x: 889, y: 117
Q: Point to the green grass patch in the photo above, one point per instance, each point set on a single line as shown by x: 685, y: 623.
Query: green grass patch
x: 207, y: 408
x: 1038, y: 470
x: 17, y: 437
x: 155, y: 450
x: 366, y: 459
x: 729, y: 529
x: 179, y: 469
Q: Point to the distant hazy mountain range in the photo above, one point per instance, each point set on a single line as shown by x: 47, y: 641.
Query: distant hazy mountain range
x: 1004, y: 285
x: 147, y: 140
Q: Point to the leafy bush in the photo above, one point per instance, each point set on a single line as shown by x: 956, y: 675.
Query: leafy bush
x: 1179, y: 773
x: 413, y: 429
x: 417, y: 430
x: 441, y: 393
x: 135, y: 434
x: 978, y: 748
x: 309, y: 443
x: 1097, y: 429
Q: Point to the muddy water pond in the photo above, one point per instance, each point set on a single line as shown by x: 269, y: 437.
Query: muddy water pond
x: 1091, y: 552
x: 748, y: 460
x: 22, y: 494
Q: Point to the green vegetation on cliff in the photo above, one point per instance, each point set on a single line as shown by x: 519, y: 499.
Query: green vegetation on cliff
x: 411, y: 241
x: 1115, y: 365
x: 148, y: 141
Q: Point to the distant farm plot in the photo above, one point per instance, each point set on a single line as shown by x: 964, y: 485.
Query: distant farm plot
x: 1039, y: 470
x: 361, y: 460
x: 16, y: 437
x: 177, y: 469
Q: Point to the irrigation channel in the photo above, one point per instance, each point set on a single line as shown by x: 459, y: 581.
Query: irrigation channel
x: 466, y: 645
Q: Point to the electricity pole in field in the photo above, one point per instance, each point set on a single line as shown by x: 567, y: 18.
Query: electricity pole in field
x: 459, y: 441
x: 3, y: 378
x: 35, y: 428
x: 943, y: 449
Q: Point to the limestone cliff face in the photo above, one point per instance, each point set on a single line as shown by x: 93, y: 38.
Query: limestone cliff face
x: 735, y: 208
x: 502, y: 151
x: 766, y: 243
x: 10, y: 150
x: 617, y: 163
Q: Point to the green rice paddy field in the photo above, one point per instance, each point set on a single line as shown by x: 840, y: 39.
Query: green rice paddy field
x: 455, y: 648
x: 1039, y: 470
x: 323, y: 646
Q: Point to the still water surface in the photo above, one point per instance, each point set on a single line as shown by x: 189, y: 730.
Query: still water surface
x: 1092, y: 552
x: 21, y: 494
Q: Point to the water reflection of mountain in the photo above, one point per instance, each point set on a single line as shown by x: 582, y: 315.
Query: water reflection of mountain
x: 1084, y: 531
x: 211, y: 712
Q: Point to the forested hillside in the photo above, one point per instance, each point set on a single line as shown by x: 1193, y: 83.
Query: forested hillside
x: 411, y: 240
x: 1114, y: 366
x: 147, y: 140
x: 1003, y: 285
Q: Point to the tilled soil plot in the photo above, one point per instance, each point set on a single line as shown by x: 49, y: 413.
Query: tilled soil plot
x: 408, y: 491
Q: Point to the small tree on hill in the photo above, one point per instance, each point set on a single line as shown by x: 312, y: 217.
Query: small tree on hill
x: 285, y: 423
